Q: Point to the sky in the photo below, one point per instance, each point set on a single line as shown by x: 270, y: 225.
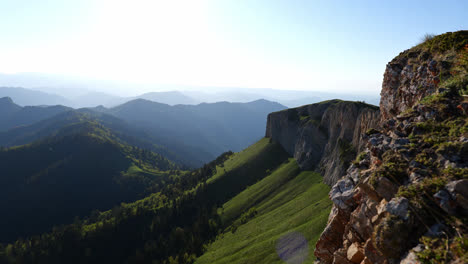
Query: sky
x: 333, y: 46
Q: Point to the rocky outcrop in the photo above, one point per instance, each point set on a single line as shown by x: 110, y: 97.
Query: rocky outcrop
x: 324, y: 136
x: 404, y: 199
x: 418, y: 72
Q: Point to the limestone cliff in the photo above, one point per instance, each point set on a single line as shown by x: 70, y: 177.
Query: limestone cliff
x: 325, y: 136
x: 405, y: 197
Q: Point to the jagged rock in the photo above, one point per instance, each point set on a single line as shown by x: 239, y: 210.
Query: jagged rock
x: 410, y: 257
x: 458, y: 191
x: 449, y: 164
x: 399, y: 91
x: 361, y: 219
x: 369, y: 190
x: 415, y: 164
x: 355, y: 253
x: 415, y: 177
x: 399, y: 207
x: 366, y: 261
x: 436, y: 230
x: 389, y: 225
x: 385, y: 239
x: 372, y: 254
x: 385, y: 188
x: 342, y: 192
x: 401, y: 141
x: 353, y: 173
x: 340, y: 257
x: 332, y: 237
x: 444, y: 200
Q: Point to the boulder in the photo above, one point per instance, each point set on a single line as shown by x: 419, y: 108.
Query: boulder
x: 331, y: 238
x: 355, y: 253
x: 458, y: 191
x: 445, y: 201
x: 399, y: 207
x: 342, y: 192
x: 385, y: 188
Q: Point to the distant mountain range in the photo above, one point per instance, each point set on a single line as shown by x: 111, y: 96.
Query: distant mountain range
x: 25, y: 97
x: 50, y: 154
x: 14, y: 115
x: 187, y: 134
x: 77, y: 93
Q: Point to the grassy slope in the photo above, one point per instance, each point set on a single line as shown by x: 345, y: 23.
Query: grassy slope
x: 241, y: 158
x: 286, y: 200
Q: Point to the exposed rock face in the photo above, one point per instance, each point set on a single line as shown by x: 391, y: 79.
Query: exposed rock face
x: 418, y: 72
x: 328, y: 133
x: 406, y: 197
x: 407, y: 81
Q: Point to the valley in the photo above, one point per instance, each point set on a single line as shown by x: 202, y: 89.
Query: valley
x: 331, y: 182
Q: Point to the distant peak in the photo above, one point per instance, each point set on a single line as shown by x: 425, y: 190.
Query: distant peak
x: 6, y: 100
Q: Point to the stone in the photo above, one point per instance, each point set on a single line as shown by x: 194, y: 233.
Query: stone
x: 415, y: 164
x: 339, y: 257
x: 433, y: 67
x: 353, y: 173
x: 399, y: 142
x: 449, y: 164
x: 410, y: 257
x: 415, y: 177
x: 385, y: 188
x: 445, y: 201
x: 399, y: 207
x: 372, y: 254
x: 354, y: 253
x: 360, y: 222
x: 366, y: 261
x: 458, y: 191
x: 436, y: 230
x: 331, y: 238
x: 374, y: 141
x: 342, y: 192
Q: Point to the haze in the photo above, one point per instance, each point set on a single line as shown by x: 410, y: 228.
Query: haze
x: 287, y: 45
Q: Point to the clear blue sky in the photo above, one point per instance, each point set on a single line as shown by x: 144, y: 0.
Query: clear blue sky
x: 288, y: 44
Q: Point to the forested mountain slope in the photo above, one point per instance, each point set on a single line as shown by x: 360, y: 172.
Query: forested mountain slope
x: 167, y: 226
x: 120, y: 129
x: 81, y: 168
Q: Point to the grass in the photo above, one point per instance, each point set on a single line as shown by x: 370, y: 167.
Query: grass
x: 256, y: 193
x: 239, y: 159
x: 286, y: 200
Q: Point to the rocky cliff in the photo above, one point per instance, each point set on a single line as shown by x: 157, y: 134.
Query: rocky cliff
x: 325, y: 136
x: 405, y: 197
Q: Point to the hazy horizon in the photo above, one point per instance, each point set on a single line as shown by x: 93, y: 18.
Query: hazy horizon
x: 282, y: 45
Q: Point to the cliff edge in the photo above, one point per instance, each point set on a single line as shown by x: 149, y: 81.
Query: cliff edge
x: 405, y: 197
x: 324, y: 136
